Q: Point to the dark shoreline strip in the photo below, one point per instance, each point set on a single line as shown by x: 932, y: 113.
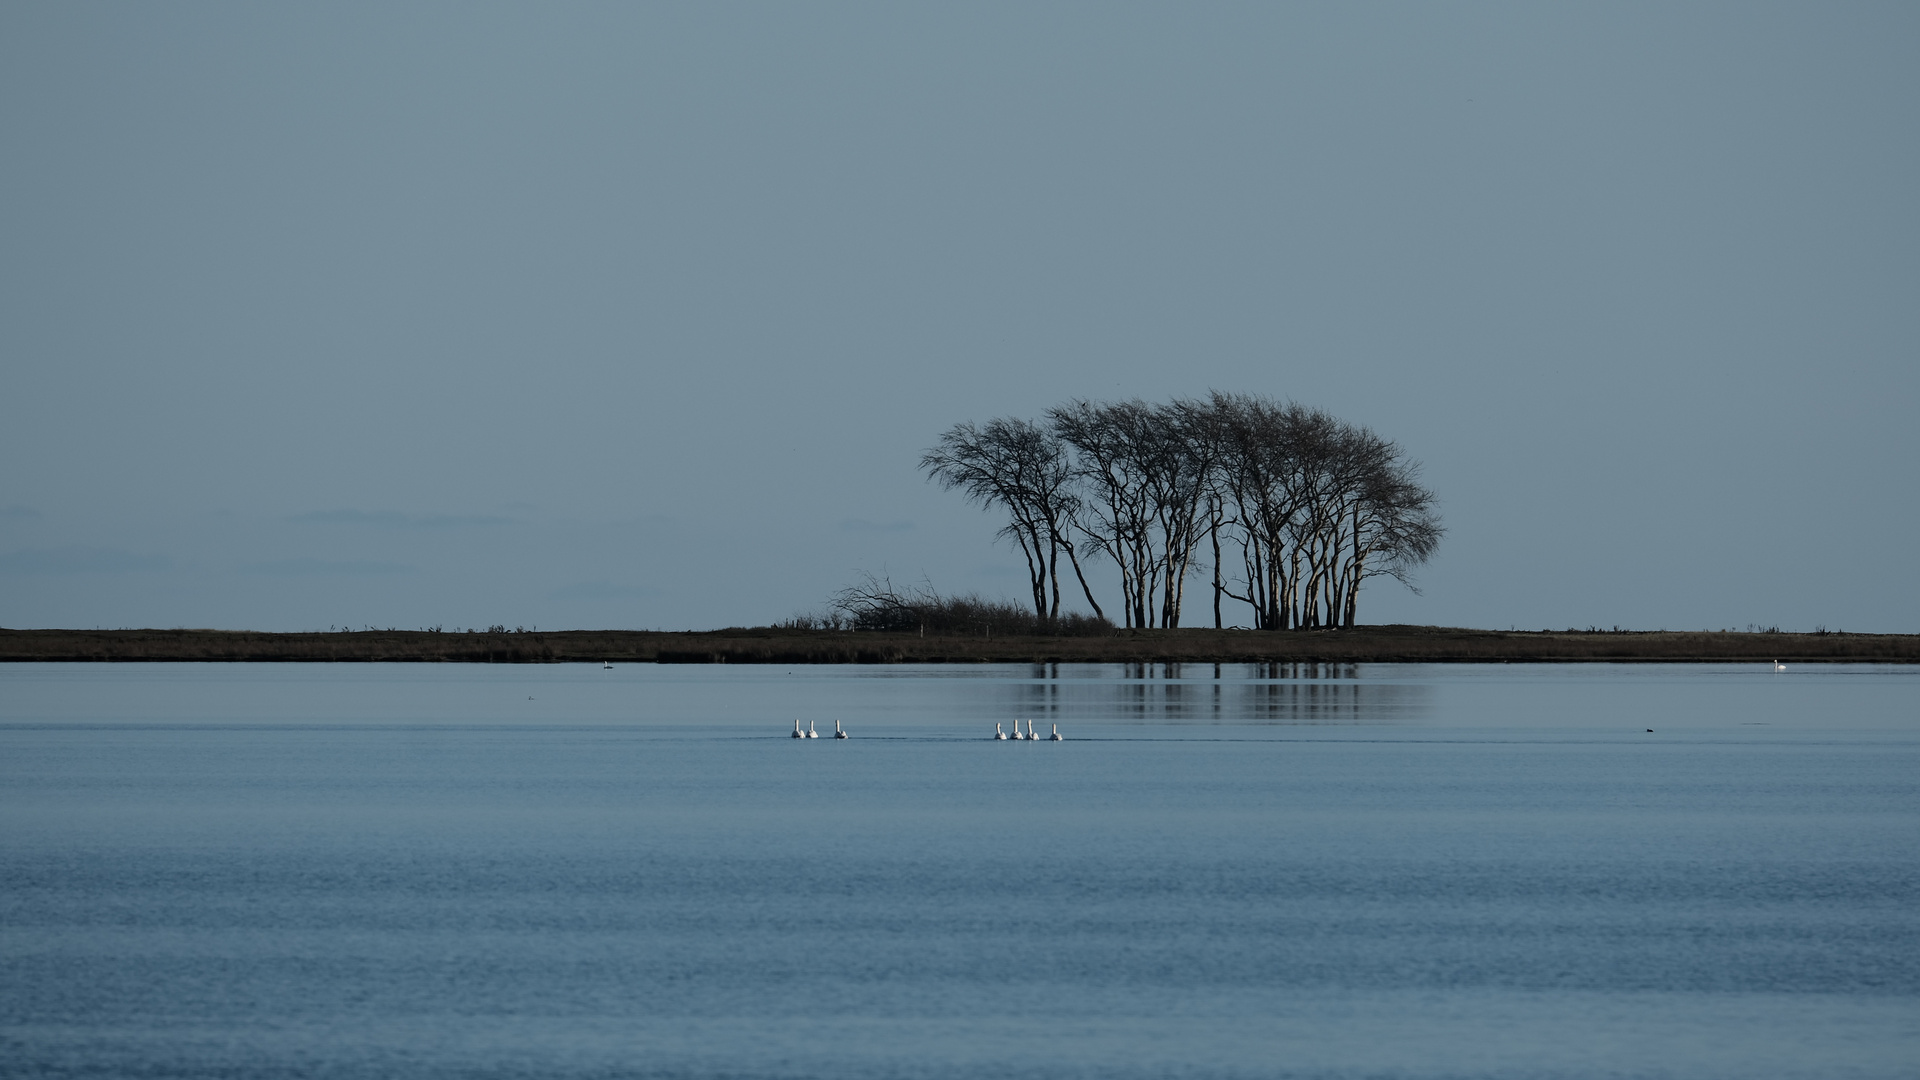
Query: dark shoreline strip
x: 1375, y: 644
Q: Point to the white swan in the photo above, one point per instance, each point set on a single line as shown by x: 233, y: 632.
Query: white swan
x: 1017, y: 733
x: 1032, y: 735
x: 837, y: 733
x: 797, y: 733
x: 1778, y: 666
x: 998, y: 735
x: 1055, y: 737
x: 811, y: 734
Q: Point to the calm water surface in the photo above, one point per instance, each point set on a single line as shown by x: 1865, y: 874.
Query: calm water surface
x: 1373, y: 871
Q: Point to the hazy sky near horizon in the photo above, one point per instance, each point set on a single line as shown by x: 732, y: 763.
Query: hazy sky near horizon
x: 624, y: 316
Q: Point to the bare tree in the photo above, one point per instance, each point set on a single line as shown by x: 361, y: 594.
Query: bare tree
x: 1022, y: 468
x: 1182, y: 452
x: 1144, y: 469
x: 1116, y: 512
x: 1330, y: 463
x: 1257, y: 455
x: 1315, y: 506
x: 1393, y: 526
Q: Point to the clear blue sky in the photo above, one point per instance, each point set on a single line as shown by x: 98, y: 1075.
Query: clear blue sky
x: 608, y: 315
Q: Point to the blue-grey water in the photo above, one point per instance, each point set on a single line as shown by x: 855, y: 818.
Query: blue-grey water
x: 562, y: 871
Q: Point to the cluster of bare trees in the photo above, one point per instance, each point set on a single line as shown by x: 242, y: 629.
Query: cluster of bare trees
x: 1287, y: 508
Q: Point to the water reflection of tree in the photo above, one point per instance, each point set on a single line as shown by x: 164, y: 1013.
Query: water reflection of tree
x: 1265, y: 693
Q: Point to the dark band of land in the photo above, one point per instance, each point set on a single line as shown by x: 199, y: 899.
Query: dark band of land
x: 1422, y: 644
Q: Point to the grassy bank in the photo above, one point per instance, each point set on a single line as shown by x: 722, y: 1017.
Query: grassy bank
x: 790, y: 646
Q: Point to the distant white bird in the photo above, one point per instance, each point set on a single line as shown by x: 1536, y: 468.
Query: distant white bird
x: 1778, y: 666
x: 811, y: 734
x: 797, y: 733
x: 998, y: 735
x: 608, y: 666
x: 1032, y: 735
x: 1055, y: 737
x: 1017, y: 733
x: 837, y: 733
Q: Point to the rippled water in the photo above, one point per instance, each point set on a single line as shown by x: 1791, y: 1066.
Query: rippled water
x: 1373, y: 871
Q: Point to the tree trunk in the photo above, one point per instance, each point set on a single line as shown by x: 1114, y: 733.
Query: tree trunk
x: 1053, y: 572
x: 1214, y: 533
x: 1082, y: 578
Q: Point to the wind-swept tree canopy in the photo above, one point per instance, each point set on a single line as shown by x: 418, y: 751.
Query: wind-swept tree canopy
x: 1022, y: 468
x: 1297, y: 508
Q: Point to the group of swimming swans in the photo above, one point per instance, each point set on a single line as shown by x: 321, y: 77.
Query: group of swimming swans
x: 998, y: 735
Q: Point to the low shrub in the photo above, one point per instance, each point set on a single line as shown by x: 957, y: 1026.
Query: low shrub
x: 877, y: 605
